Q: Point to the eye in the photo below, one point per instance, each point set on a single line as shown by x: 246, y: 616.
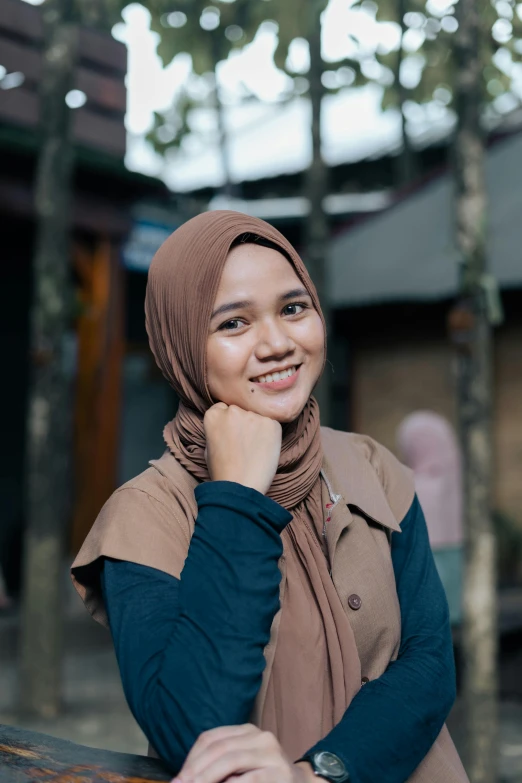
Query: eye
x: 232, y: 325
x: 296, y: 308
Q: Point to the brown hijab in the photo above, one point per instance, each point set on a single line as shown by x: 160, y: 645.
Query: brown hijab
x: 316, y: 668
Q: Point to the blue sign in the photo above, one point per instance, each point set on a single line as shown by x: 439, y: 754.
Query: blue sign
x: 145, y: 238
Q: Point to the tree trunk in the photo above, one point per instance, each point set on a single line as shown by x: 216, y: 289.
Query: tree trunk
x: 474, y: 403
x: 405, y: 160
x: 316, y: 233
x: 227, y: 189
x: 49, y: 421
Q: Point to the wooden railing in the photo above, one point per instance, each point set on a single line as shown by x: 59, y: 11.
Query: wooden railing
x: 26, y: 757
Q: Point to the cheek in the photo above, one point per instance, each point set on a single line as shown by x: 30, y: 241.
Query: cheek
x: 226, y: 359
x: 311, y: 337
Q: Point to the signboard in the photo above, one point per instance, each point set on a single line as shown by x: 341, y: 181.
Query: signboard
x: 145, y: 238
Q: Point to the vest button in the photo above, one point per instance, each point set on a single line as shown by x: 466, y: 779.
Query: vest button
x: 364, y: 680
x: 354, y: 602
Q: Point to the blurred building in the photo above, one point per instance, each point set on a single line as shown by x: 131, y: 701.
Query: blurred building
x: 112, y: 211
x: 392, y: 278
x: 393, y: 270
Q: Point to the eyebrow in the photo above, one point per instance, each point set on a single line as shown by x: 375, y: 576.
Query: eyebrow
x: 244, y: 303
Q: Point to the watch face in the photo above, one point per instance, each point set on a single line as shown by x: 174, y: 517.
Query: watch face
x: 330, y: 765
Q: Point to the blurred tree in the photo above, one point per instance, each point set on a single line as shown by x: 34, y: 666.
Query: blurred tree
x: 317, y: 229
x: 209, y: 33
x: 406, y: 168
x: 100, y: 14
x: 471, y: 320
x: 49, y: 406
x: 422, y: 66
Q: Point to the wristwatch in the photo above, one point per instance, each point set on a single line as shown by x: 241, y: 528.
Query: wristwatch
x: 328, y: 766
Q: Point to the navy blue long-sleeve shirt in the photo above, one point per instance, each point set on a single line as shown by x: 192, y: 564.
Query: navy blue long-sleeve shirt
x: 190, y: 651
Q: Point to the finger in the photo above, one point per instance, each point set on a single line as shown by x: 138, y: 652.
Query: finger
x: 264, y: 775
x: 208, y: 739
x: 209, y: 746
x: 235, y: 762
x: 236, y: 755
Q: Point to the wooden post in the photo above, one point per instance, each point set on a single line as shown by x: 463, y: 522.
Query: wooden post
x: 471, y: 320
x: 316, y: 234
x: 98, y: 388
x: 48, y: 426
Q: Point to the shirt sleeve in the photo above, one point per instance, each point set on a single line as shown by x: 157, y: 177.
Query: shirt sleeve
x: 394, y: 720
x: 190, y: 651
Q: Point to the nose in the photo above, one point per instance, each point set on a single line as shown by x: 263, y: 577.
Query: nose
x: 274, y: 341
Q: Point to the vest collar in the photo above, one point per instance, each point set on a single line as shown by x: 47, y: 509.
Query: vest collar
x: 363, y: 491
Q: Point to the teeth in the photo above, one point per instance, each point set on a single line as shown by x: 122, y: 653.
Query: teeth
x: 276, y: 376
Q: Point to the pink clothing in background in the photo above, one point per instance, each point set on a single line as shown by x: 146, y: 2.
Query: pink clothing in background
x: 428, y: 445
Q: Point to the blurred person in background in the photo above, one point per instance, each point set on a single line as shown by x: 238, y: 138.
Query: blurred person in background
x: 269, y: 585
x: 427, y: 444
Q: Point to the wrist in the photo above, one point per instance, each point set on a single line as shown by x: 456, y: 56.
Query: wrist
x: 305, y: 773
x: 327, y: 765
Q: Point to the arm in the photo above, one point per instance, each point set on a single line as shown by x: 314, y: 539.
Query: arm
x: 190, y: 651
x: 393, y: 721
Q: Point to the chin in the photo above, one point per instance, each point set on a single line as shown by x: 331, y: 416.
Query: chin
x: 282, y: 413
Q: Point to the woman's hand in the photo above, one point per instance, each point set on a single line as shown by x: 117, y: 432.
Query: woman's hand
x: 240, y: 752
x: 242, y: 446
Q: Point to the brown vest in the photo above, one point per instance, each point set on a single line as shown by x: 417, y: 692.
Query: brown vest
x: 370, y: 492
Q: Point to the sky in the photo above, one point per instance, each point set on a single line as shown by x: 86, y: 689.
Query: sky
x: 271, y: 137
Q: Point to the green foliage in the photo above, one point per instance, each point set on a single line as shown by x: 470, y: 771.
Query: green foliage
x: 235, y: 25
x: 434, y: 26
x: 183, y: 26
x: 102, y: 14
x: 209, y: 30
x: 169, y: 128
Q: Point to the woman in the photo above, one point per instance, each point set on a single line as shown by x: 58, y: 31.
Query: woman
x: 270, y: 619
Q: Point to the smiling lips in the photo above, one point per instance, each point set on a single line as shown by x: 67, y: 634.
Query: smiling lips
x: 278, y: 380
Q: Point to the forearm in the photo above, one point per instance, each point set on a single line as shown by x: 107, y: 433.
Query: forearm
x: 393, y: 721
x: 382, y: 737
x: 191, y: 651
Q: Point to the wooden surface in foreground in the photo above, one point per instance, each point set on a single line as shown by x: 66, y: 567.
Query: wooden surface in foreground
x: 30, y: 757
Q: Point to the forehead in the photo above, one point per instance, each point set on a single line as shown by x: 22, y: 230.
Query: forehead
x: 256, y: 268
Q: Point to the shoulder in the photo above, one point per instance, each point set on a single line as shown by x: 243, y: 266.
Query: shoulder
x: 164, y: 489
x: 148, y: 521
x: 362, y: 462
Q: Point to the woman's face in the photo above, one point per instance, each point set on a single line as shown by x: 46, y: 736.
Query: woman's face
x: 263, y: 322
